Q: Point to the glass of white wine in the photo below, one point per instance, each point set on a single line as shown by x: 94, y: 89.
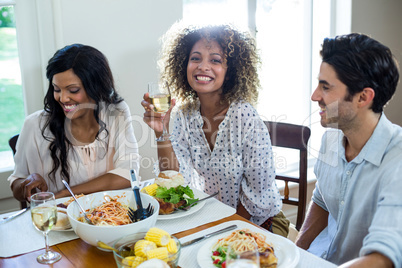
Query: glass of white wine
x: 242, y: 256
x: 44, y: 217
x: 160, y: 99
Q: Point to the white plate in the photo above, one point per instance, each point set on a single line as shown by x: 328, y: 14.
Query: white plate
x: 182, y: 213
x: 62, y: 200
x: 58, y: 201
x: 285, y: 250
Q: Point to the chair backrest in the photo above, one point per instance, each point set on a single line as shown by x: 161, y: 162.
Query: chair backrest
x: 13, y: 143
x: 293, y: 137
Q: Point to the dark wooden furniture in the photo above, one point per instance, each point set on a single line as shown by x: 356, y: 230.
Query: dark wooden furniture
x: 13, y: 143
x: 293, y: 137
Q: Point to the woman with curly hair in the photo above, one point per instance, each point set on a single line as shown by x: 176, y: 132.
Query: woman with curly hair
x: 84, y: 134
x: 219, y: 143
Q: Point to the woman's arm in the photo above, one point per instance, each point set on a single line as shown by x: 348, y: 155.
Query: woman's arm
x: 166, y: 155
x: 242, y: 211
x: 259, y: 195
x: 108, y: 181
x: 24, y: 188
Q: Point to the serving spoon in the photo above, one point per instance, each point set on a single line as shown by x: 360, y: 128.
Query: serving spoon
x: 72, y: 194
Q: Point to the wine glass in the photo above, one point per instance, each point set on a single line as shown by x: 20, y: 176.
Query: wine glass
x: 235, y: 258
x: 160, y: 99
x: 44, y: 217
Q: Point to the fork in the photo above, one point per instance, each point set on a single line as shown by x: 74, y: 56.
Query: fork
x: 75, y: 199
x: 202, y: 199
x: 135, y: 216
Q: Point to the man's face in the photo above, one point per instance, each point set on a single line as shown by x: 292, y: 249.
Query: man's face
x: 338, y: 110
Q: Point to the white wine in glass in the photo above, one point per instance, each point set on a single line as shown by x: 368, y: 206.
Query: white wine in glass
x: 44, y: 217
x: 160, y: 102
x: 160, y: 98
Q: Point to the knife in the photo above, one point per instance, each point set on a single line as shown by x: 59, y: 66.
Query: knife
x: 199, y: 239
x: 9, y: 218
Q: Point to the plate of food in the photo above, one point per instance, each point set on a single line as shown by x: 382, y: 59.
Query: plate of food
x: 170, y: 191
x: 63, y: 223
x: 277, y: 249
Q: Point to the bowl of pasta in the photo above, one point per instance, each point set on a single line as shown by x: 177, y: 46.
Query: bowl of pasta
x: 107, y: 211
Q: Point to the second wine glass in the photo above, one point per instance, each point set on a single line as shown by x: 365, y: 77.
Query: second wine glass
x: 239, y: 256
x: 44, y: 217
x: 159, y: 96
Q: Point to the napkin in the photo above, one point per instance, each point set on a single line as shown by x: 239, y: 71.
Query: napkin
x: 19, y: 236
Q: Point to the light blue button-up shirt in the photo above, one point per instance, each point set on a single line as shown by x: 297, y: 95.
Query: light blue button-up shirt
x: 363, y: 196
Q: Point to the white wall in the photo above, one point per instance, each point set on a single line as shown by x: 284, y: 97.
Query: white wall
x: 382, y: 21
x: 126, y: 31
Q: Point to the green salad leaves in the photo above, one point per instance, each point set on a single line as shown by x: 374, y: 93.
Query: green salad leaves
x: 174, y: 195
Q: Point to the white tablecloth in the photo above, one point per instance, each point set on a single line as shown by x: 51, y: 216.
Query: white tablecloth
x: 22, y: 229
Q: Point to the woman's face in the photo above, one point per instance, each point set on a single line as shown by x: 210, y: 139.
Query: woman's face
x: 206, y: 69
x: 69, y: 92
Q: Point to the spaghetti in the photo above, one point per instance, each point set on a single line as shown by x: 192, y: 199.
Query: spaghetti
x: 111, y: 212
x: 243, y: 240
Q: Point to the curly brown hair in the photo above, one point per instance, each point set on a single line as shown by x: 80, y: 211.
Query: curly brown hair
x: 240, y: 55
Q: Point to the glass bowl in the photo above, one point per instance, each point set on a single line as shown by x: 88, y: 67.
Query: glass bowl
x: 125, y: 248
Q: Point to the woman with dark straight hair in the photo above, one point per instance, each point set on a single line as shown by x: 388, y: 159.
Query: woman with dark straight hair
x: 84, y: 134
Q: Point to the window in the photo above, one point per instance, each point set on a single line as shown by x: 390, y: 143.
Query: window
x: 289, y: 34
x: 12, y: 112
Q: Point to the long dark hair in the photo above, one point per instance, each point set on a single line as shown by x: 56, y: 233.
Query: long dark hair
x: 92, y: 67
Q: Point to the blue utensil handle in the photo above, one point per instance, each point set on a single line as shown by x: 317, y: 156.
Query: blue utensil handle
x: 137, y: 196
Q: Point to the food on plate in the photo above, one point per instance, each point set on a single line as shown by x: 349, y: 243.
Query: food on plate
x: 242, y: 240
x: 168, y: 189
x: 150, y: 189
x: 69, y: 201
x: 110, y: 212
x: 157, y: 244
x: 169, y: 178
x: 63, y: 222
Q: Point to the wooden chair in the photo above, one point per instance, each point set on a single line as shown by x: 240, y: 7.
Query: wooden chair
x: 293, y: 137
x: 13, y: 142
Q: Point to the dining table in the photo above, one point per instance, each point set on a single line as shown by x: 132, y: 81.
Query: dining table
x: 75, y: 252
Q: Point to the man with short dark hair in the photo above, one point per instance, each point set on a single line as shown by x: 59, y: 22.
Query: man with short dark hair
x: 355, y: 217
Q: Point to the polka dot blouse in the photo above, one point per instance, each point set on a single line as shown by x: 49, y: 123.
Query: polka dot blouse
x: 241, y: 164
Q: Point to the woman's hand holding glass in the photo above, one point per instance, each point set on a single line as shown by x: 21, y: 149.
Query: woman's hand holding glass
x: 44, y: 217
x: 158, y: 106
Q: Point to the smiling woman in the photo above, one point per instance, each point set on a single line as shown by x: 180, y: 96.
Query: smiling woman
x: 83, y: 135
